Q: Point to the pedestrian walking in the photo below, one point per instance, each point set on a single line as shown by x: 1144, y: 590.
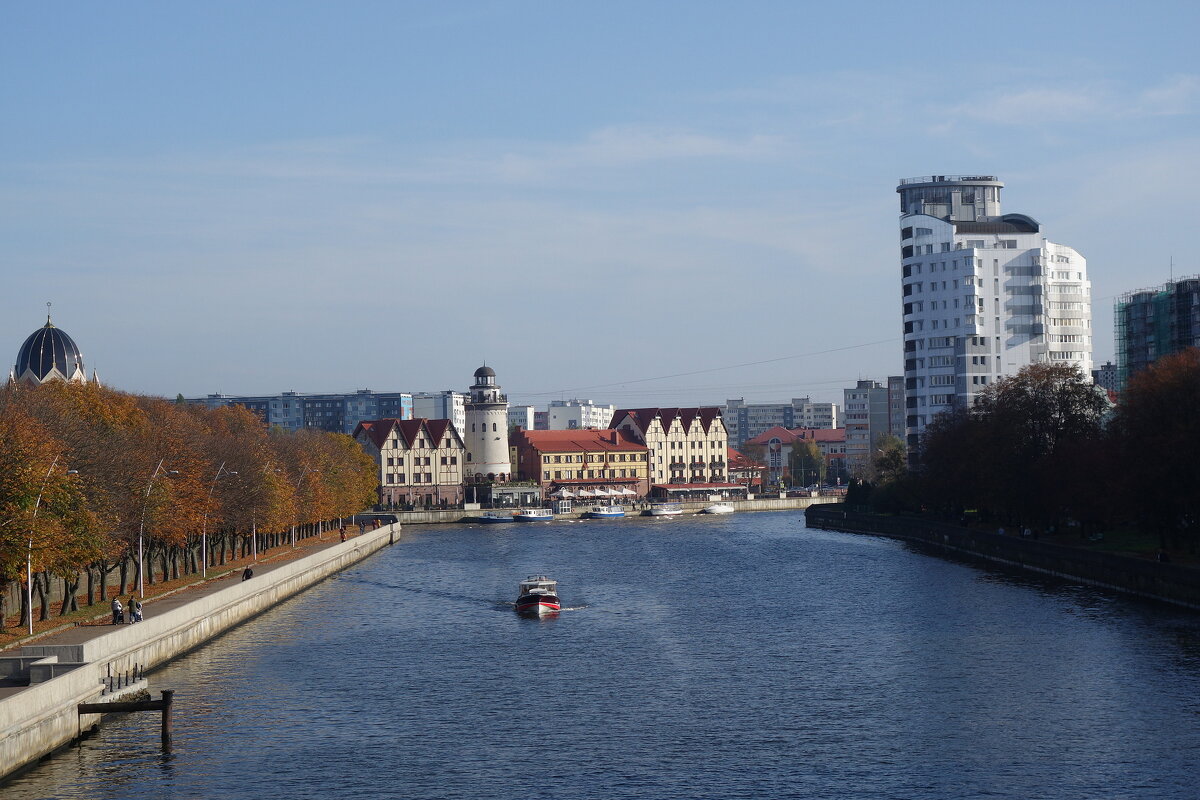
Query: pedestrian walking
x: 129, y: 609
x: 135, y: 609
x: 343, y: 533
x: 117, y: 611
x: 247, y: 574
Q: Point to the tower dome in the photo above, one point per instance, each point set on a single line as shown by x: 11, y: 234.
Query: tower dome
x: 49, y: 354
x: 485, y: 372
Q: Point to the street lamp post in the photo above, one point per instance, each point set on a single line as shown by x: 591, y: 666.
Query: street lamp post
x: 32, y: 524
x: 204, y: 526
x: 142, y: 524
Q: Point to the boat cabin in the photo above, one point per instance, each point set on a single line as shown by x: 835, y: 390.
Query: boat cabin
x: 539, y: 584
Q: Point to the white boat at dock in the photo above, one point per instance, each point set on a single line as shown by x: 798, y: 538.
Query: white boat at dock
x: 718, y: 508
x: 534, y: 515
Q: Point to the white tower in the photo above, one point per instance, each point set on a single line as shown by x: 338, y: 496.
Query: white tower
x: 983, y: 294
x: 486, y: 435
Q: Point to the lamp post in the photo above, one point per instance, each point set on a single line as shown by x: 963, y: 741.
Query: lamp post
x: 32, y: 524
x: 204, y: 526
x: 142, y: 525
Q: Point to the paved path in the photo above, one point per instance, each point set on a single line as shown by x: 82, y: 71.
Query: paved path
x: 152, y: 606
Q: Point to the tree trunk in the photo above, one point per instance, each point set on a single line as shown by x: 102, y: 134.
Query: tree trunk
x: 69, y: 602
x: 4, y: 584
x: 91, y: 584
x: 41, y: 581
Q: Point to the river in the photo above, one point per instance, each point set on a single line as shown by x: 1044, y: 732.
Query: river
x: 742, y: 656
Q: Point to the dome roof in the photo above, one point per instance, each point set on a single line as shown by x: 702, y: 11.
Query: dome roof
x: 485, y: 372
x: 49, y: 353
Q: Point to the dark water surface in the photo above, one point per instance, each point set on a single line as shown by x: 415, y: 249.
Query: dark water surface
x: 727, y: 657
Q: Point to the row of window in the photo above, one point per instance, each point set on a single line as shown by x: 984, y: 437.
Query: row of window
x: 575, y: 474
x: 421, y: 461
x: 593, y: 458
x: 417, y: 477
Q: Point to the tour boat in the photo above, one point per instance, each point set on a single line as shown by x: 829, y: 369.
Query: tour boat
x: 491, y: 517
x: 663, y: 510
x: 604, y: 512
x: 718, y: 508
x: 534, y: 515
x: 537, y: 595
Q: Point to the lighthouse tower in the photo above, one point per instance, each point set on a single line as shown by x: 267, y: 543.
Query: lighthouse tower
x: 486, y: 435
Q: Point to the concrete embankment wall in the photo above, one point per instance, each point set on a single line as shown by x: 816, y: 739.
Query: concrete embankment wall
x: 37, y: 720
x: 435, y: 517
x: 1169, y: 583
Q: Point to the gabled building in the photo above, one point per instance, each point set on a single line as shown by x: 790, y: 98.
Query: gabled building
x: 420, y: 461
x: 776, y: 446
x: 582, y: 464
x: 687, y: 449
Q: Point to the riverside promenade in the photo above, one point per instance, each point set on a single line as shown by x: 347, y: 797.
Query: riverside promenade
x: 77, y: 665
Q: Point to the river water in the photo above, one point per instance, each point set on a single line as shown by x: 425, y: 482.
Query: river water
x: 726, y: 657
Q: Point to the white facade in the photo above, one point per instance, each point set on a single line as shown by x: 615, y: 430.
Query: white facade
x: 442, y: 405
x: 521, y: 416
x: 486, y: 435
x: 984, y: 294
x: 565, y: 415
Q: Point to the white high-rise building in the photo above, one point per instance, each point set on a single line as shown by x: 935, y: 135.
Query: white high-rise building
x: 565, y: 415
x: 984, y: 294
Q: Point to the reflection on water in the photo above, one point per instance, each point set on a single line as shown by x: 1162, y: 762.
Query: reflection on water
x: 730, y: 657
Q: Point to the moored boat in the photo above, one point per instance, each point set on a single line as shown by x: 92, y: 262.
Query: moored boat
x: 534, y: 515
x: 537, y: 595
x: 493, y: 517
x: 604, y: 512
x: 718, y: 508
x: 663, y: 510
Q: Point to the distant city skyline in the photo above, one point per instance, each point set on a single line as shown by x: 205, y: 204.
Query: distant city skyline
x: 654, y: 205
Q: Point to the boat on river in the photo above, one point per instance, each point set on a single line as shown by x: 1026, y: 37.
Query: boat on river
x: 604, y: 512
x: 718, y: 508
x: 663, y: 510
x: 537, y: 595
x: 492, y: 517
x: 534, y: 515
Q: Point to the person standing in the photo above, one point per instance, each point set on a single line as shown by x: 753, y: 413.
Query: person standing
x: 116, y: 611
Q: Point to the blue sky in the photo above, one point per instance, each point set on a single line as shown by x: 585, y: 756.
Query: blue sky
x: 260, y: 197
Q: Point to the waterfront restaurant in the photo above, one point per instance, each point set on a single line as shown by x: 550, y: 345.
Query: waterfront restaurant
x: 589, y: 466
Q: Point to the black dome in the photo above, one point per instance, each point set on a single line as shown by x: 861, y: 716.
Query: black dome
x: 485, y: 372
x: 48, y: 349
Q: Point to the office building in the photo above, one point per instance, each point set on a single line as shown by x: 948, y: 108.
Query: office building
x: 747, y: 420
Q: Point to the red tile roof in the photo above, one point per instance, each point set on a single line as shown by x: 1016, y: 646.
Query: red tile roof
x: 790, y: 436
x: 587, y: 440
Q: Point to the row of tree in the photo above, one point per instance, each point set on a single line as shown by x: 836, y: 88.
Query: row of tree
x: 85, y: 472
x: 1046, y: 448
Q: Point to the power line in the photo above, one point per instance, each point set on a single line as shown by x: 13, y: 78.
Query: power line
x: 713, y: 369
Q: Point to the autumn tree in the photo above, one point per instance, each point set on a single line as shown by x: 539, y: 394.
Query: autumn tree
x: 1156, y: 435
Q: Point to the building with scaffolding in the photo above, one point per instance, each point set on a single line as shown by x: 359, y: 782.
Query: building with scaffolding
x: 1151, y: 323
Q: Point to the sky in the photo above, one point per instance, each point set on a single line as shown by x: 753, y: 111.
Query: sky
x: 641, y: 203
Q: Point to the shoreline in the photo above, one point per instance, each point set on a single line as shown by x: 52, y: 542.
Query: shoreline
x: 1172, y: 584
x: 71, y: 666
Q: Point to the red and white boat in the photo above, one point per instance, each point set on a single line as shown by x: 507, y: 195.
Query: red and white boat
x: 537, y: 595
